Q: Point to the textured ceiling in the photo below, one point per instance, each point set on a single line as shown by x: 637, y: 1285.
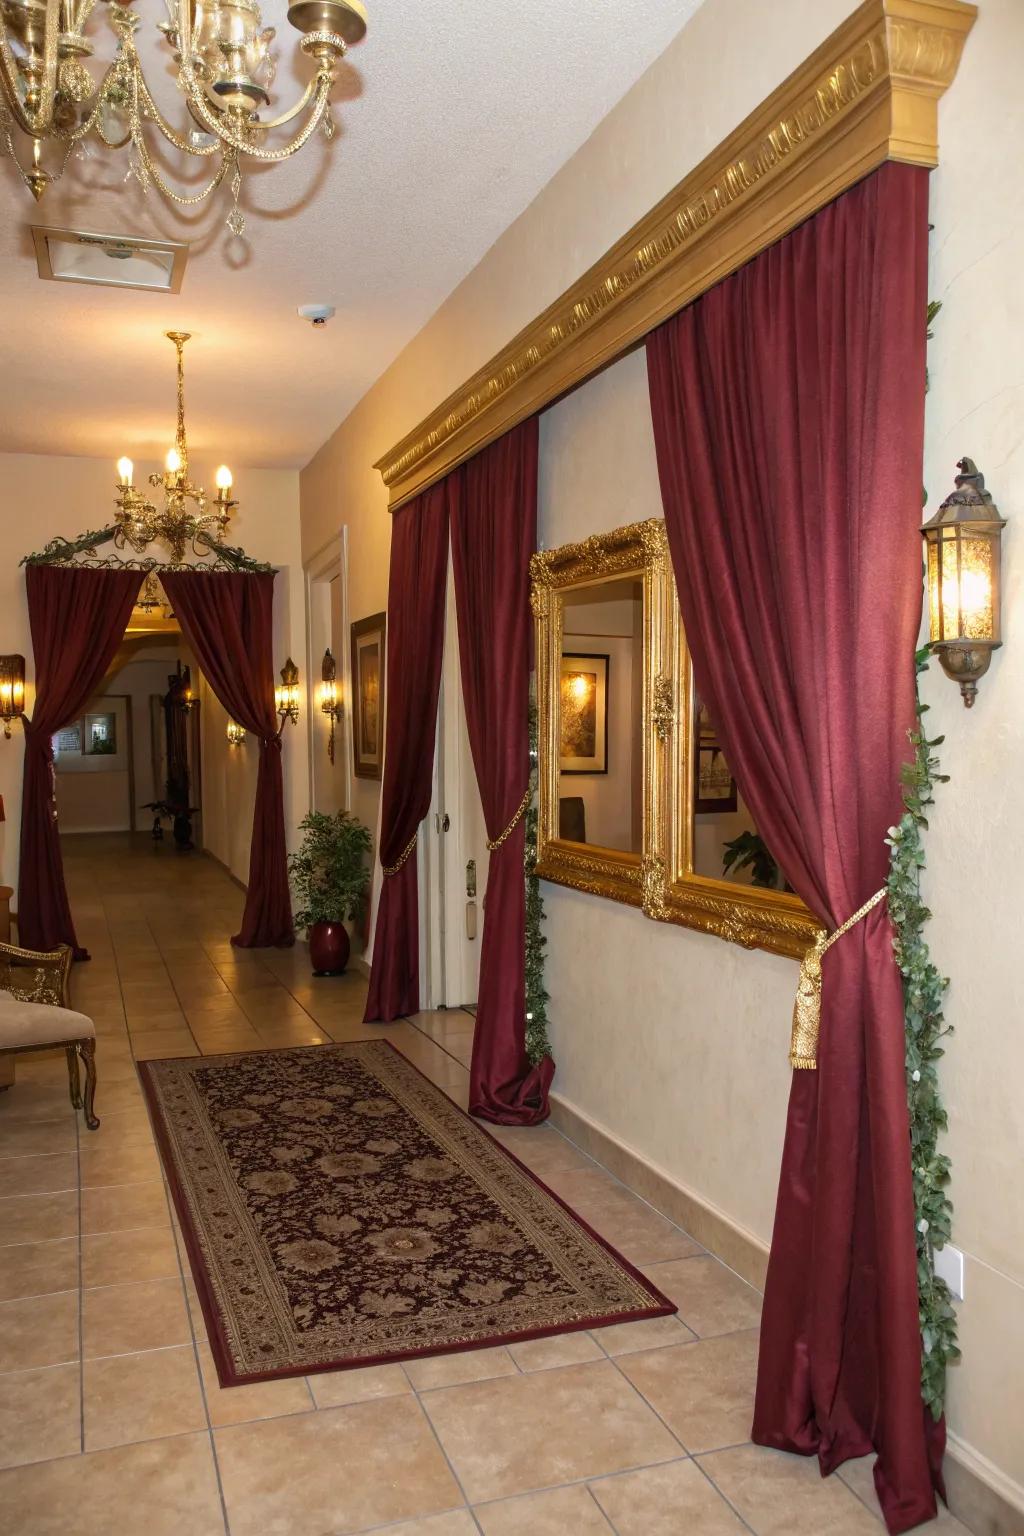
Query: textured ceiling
x: 451, y: 120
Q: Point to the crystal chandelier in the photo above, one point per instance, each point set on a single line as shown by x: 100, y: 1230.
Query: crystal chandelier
x: 224, y: 65
x: 186, y: 515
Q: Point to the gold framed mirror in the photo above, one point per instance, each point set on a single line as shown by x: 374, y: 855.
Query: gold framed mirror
x: 637, y: 802
x: 606, y: 634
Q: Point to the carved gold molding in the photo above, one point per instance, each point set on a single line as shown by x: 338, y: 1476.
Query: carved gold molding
x: 869, y: 94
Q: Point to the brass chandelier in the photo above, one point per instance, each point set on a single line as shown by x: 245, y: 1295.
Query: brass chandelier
x: 224, y: 65
x: 186, y: 515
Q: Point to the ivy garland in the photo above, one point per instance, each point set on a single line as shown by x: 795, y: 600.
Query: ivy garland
x: 537, y: 1044
x: 923, y: 992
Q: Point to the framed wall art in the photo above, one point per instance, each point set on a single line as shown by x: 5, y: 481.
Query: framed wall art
x: 583, y: 713
x: 368, y: 676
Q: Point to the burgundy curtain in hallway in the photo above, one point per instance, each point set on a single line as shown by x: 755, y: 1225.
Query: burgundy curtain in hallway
x: 78, y: 618
x: 416, y: 603
x: 493, y: 504
x: 227, y: 619
x: 788, y: 409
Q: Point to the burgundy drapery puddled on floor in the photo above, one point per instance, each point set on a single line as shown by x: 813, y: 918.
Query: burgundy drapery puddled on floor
x: 227, y: 619
x: 788, y: 409
x: 416, y: 603
x: 78, y: 618
x: 493, y: 504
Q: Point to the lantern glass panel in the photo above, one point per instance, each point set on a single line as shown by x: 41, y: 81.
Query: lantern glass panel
x: 961, y: 584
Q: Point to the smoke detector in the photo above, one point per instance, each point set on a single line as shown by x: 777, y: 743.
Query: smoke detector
x: 111, y: 261
x: 316, y: 314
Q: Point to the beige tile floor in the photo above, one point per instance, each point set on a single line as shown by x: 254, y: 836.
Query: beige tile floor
x: 111, y: 1417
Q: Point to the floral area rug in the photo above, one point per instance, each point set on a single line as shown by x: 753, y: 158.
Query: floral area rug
x: 339, y: 1211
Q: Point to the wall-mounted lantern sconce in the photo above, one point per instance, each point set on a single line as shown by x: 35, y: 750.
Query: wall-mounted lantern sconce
x: 963, y: 548
x: 329, y: 696
x: 12, y: 691
x: 286, y: 694
x: 236, y: 733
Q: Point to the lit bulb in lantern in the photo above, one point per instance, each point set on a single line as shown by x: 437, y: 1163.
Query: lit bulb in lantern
x: 125, y: 470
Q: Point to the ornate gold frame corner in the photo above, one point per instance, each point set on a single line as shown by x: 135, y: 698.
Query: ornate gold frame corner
x: 640, y: 549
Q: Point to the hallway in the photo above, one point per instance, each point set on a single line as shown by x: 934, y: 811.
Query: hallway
x: 111, y: 1416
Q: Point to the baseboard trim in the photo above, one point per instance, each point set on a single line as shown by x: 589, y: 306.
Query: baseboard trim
x: 227, y: 870
x: 723, y: 1237
x: 987, y: 1501
x: 984, y: 1498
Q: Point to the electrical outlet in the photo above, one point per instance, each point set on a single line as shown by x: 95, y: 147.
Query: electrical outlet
x: 949, y: 1266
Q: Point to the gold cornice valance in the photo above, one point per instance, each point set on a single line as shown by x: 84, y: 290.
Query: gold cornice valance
x: 869, y: 94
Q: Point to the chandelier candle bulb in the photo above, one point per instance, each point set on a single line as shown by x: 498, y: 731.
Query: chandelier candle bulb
x: 125, y: 471
x: 236, y: 734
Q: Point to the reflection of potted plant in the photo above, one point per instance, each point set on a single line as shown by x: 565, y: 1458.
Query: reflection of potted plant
x: 330, y: 876
x: 748, y: 851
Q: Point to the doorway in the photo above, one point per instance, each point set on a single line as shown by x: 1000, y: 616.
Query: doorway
x: 453, y: 874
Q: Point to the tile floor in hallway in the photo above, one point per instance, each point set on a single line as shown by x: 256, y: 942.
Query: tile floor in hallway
x: 111, y: 1418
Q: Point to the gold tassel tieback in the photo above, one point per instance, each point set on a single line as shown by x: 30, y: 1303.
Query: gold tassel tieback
x: 803, y: 1049
x: 524, y: 806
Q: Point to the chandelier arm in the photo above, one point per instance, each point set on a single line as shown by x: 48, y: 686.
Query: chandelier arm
x: 36, y: 124
x: 324, y: 81
x: 286, y: 117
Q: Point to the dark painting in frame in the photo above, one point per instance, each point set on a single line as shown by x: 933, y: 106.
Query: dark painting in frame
x: 368, y: 680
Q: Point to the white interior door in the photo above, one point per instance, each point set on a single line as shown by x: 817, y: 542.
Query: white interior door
x: 458, y: 839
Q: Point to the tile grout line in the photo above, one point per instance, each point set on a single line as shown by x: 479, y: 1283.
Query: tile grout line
x: 198, y: 1364
x: 440, y: 1444
x: 721, y: 1493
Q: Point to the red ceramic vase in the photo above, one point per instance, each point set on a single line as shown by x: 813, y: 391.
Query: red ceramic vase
x: 329, y: 948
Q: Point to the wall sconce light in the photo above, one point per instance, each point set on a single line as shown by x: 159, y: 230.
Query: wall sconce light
x: 184, y: 698
x: 963, y: 542
x: 236, y: 733
x: 12, y: 691
x: 286, y: 695
x: 329, y: 696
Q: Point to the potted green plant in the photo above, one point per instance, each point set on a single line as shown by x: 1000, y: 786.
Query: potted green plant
x: 330, y: 876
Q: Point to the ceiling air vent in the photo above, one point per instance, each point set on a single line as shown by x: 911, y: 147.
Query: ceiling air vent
x: 112, y: 261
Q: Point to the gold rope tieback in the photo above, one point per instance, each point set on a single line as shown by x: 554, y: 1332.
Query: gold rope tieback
x: 392, y: 869
x: 803, y: 1049
x: 524, y: 805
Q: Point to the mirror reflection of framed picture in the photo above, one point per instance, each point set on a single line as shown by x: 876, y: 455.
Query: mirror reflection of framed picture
x: 368, y: 637
x: 583, y: 713
x: 714, y: 786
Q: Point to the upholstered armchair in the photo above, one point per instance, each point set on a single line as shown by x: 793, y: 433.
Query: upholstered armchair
x: 35, y: 1016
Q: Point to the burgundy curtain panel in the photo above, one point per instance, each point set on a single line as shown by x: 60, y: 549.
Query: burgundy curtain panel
x: 227, y: 619
x: 416, y: 604
x: 493, y: 506
x: 78, y: 619
x: 788, y: 408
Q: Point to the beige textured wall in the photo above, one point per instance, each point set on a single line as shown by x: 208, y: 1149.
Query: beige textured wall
x: 695, y: 1078
x: 45, y: 495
